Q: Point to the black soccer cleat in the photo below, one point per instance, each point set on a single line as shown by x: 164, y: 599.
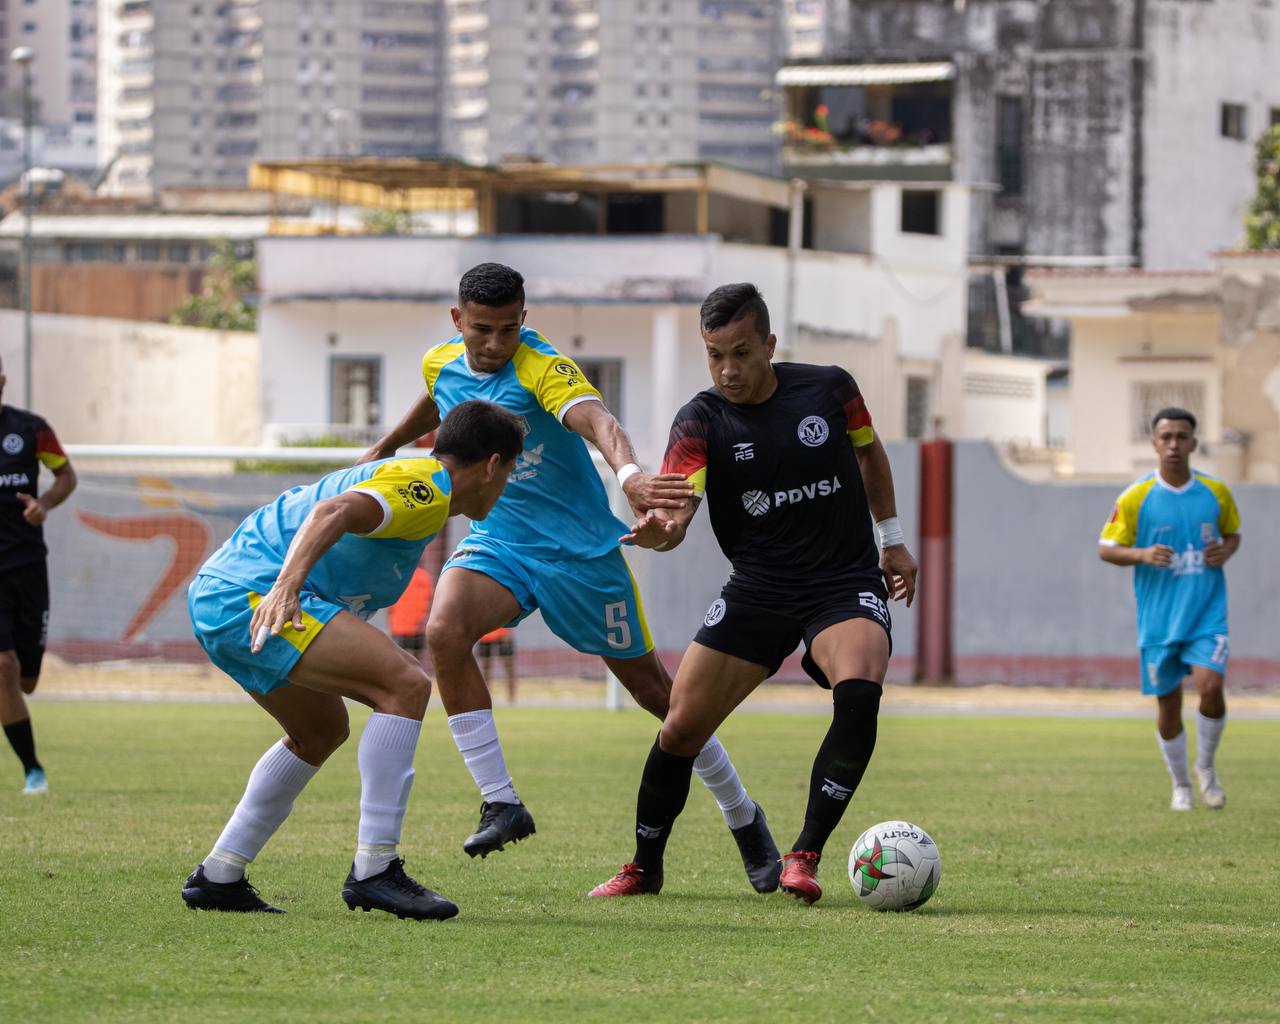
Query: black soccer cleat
x: 396, y: 893
x: 239, y: 897
x: 759, y: 853
x: 499, y: 824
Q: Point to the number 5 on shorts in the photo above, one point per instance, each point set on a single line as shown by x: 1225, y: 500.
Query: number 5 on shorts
x: 617, y: 630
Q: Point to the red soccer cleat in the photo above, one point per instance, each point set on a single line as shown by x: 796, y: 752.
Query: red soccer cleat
x: 800, y: 875
x: 630, y: 881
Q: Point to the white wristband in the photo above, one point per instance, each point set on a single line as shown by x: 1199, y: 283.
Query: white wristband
x: 890, y: 531
x: 627, y: 471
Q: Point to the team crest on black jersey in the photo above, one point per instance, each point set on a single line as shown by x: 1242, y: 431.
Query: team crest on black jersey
x: 813, y: 431
x: 12, y: 444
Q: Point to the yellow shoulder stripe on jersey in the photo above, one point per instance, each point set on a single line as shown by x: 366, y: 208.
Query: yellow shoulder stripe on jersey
x: 1122, y: 527
x: 699, y: 481
x: 52, y: 460
x: 414, y: 503
x: 311, y: 626
x: 437, y: 359
x: 862, y: 437
x: 554, y: 379
x: 1228, y: 514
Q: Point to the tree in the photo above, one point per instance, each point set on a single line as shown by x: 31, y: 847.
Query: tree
x: 1262, y: 224
x: 221, y: 304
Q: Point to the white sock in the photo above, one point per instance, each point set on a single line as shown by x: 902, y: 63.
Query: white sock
x: 477, y: 738
x: 275, y: 782
x: 1208, y: 735
x: 386, y: 776
x: 1175, y: 756
x: 719, y: 775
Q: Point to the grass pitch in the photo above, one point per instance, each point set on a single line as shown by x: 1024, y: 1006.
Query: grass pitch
x: 1069, y: 891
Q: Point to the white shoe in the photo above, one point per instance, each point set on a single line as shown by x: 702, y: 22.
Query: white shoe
x: 1182, y: 800
x: 37, y: 783
x: 1211, y: 791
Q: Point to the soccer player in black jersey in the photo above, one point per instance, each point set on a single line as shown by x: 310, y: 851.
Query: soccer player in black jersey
x: 794, y: 474
x: 26, y: 444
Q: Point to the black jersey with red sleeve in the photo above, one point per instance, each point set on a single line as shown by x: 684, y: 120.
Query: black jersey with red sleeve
x: 26, y: 443
x: 786, y: 496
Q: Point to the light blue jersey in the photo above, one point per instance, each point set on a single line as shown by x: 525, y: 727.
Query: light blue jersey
x: 554, y: 505
x: 1187, y: 600
x: 361, y: 574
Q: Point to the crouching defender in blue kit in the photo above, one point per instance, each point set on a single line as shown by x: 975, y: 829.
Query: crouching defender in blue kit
x: 281, y: 608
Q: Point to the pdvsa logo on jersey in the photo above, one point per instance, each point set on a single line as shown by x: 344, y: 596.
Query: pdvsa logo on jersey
x: 421, y: 492
x: 755, y: 502
x: 715, y: 613
x: 813, y: 431
x: 12, y: 444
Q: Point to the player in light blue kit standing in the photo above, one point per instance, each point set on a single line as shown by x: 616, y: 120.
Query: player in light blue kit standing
x: 551, y: 543
x: 282, y: 606
x: 1178, y: 528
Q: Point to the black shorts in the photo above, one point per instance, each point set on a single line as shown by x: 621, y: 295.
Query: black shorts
x: 24, y: 615
x: 414, y: 642
x: 504, y: 648
x: 763, y: 625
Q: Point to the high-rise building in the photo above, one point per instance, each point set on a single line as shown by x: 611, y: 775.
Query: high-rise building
x: 608, y: 81
x: 194, y: 92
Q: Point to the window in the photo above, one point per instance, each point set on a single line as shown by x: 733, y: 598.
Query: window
x: 605, y: 376
x: 355, y: 390
x: 1150, y: 397
x: 1275, y: 117
x: 921, y: 211
x: 179, y: 252
x: 150, y: 252
x: 1009, y: 144
x: 917, y: 407
x: 1233, y: 121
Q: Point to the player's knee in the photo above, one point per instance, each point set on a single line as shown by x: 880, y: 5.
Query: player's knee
x: 859, y: 697
x: 682, y: 738
x: 316, y: 743
x: 9, y: 672
x: 446, y: 639
x: 411, y: 691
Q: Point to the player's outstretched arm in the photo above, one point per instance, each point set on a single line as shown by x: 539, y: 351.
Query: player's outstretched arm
x: 896, y: 562
x: 422, y: 418
x: 660, y: 529
x: 350, y: 512
x: 644, y: 491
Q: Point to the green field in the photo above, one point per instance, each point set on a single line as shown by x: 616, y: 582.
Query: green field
x: 1069, y: 891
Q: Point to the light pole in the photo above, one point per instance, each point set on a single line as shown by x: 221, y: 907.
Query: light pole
x: 23, y: 57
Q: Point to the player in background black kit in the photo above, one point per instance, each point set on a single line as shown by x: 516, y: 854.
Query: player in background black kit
x: 794, y: 474
x: 26, y: 443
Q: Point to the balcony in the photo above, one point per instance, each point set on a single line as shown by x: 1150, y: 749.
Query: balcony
x: 870, y: 121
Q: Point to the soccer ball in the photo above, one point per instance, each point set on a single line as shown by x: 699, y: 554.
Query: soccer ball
x: 894, y: 866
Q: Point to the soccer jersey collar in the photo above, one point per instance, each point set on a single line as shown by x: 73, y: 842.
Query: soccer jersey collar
x: 1176, y: 490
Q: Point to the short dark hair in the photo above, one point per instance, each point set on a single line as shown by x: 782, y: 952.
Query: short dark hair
x: 491, y: 284
x: 1173, y: 412
x: 733, y: 302
x: 476, y: 429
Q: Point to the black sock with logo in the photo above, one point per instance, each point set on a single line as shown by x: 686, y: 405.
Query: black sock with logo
x: 841, y: 760
x: 23, y: 742
x: 664, y: 789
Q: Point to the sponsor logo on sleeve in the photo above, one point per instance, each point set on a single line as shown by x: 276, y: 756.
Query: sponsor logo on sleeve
x: 421, y: 492
x: 813, y: 431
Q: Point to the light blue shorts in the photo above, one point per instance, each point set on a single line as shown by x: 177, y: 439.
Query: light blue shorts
x: 1163, y: 667
x: 592, y: 604
x: 220, y: 614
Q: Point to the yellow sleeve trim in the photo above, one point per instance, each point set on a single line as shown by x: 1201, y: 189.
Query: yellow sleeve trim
x: 555, y: 380
x: 437, y: 359
x: 52, y: 461
x: 1122, y: 527
x: 1229, y: 514
x: 418, y: 505
x: 862, y: 437
x: 699, y: 481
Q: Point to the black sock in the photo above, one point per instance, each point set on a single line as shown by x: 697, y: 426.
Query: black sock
x: 23, y: 743
x: 841, y: 760
x: 664, y: 788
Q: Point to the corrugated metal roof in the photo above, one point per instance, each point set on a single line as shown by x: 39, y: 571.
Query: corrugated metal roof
x: 865, y: 74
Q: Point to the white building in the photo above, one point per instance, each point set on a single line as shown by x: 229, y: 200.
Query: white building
x: 344, y: 320
x: 614, y: 81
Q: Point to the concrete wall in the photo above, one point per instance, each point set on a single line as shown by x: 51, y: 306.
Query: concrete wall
x: 120, y: 382
x: 1004, y: 399
x: 1034, y: 603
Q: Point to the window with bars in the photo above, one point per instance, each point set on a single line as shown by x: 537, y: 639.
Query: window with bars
x: 605, y: 376
x: 1150, y: 397
x: 355, y: 390
x: 917, y: 419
